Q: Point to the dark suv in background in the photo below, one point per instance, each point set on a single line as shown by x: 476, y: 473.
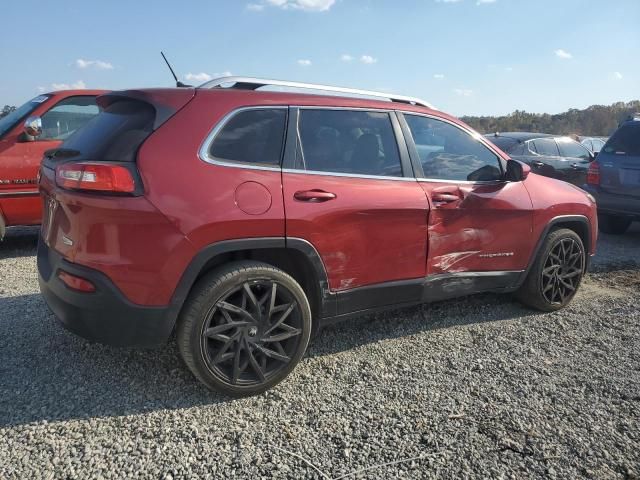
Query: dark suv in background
x: 549, y: 155
x: 614, y: 178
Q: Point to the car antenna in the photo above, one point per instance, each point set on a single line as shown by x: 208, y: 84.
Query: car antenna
x: 178, y: 82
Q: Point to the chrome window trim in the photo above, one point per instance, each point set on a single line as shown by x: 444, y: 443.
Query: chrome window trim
x: 465, y: 182
x: 402, y: 177
x: 331, y: 107
x: 203, y: 152
x: 349, y: 175
x: 473, y: 134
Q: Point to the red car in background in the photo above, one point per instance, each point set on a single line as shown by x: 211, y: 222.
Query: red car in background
x: 26, y: 133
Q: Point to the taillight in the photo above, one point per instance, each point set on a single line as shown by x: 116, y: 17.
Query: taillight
x: 593, y: 174
x: 76, y: 283
x: 102, y: 177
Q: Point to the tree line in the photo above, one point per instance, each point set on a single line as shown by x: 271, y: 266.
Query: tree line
x: 596, y: 120
x: 6, y: 110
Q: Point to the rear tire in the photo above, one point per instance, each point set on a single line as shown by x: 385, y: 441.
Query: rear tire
x: 556, y: 273
x: 613, y: 224
x: 244, y: 328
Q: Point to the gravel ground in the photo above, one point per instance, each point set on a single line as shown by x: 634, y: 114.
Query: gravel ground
x: 478, y: 387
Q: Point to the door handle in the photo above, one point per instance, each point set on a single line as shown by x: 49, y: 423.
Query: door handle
x: 538, y: 163
x: 445, y: 197
x: 575, y: 165
x: 314, y: 196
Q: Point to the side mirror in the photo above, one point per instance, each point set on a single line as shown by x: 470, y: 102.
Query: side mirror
x: 517, y: 171
x: 594, y: 155
x: 33, y: 126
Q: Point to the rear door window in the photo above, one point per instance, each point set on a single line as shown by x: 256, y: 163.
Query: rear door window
x: 546, y: 146
x: 569, y: 148
x: 625, y: 141
x: 253, y: 136
x: 348, y: 141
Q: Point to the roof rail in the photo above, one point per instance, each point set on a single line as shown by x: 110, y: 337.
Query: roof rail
x: 248, y: 83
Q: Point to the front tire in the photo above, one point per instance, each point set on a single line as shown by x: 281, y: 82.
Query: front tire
x: 613, y: 224
x: 556, y: 274
x: 244, y: 328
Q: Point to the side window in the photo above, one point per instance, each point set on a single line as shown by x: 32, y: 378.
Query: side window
x: 531, y: 147
x: 569, y: 148
x: 67, y: 116
x: 251, y: 136
x: 449, y: 153
x: 546, y: 146
x: 348, y: 141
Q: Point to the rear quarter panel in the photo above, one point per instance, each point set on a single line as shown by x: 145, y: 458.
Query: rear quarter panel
x: 126, y: 238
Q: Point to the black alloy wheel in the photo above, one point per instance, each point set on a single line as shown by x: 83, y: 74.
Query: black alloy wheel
x: 555, y: 275
x: 562, y: 271
x: 252, y: 332
x: 244, y: 327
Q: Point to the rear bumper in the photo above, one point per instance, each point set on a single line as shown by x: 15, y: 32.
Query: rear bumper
x: 105, y: 315
x: 610, y: 203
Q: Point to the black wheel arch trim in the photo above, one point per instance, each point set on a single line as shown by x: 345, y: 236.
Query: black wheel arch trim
x: 208, y: 253
x: 560, y: 219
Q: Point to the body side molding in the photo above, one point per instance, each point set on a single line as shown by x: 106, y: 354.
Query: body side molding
x: 434, y: 288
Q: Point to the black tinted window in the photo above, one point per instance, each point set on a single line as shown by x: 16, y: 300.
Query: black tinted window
x: 449, y: 153
x: 116, y: 133
x: 505, y: 144
x: 546, y: 146
x: 345, y: 141
x: 519, y: 149
x: 252, y: 136
x: 569, y: 148
x: 626, y: 141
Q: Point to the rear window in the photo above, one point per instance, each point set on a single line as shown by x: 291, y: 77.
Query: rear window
x: 252, y: 136
x: 625, y: 141
x: 503, y: 143
x: 116, y: 133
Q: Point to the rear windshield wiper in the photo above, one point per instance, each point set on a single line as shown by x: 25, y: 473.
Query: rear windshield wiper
x: 61, y: 153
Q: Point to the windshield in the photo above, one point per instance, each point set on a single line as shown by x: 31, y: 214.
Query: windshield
x: 9, y: 121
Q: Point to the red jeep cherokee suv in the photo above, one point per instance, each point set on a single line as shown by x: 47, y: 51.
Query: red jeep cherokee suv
x: 243, y: 219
